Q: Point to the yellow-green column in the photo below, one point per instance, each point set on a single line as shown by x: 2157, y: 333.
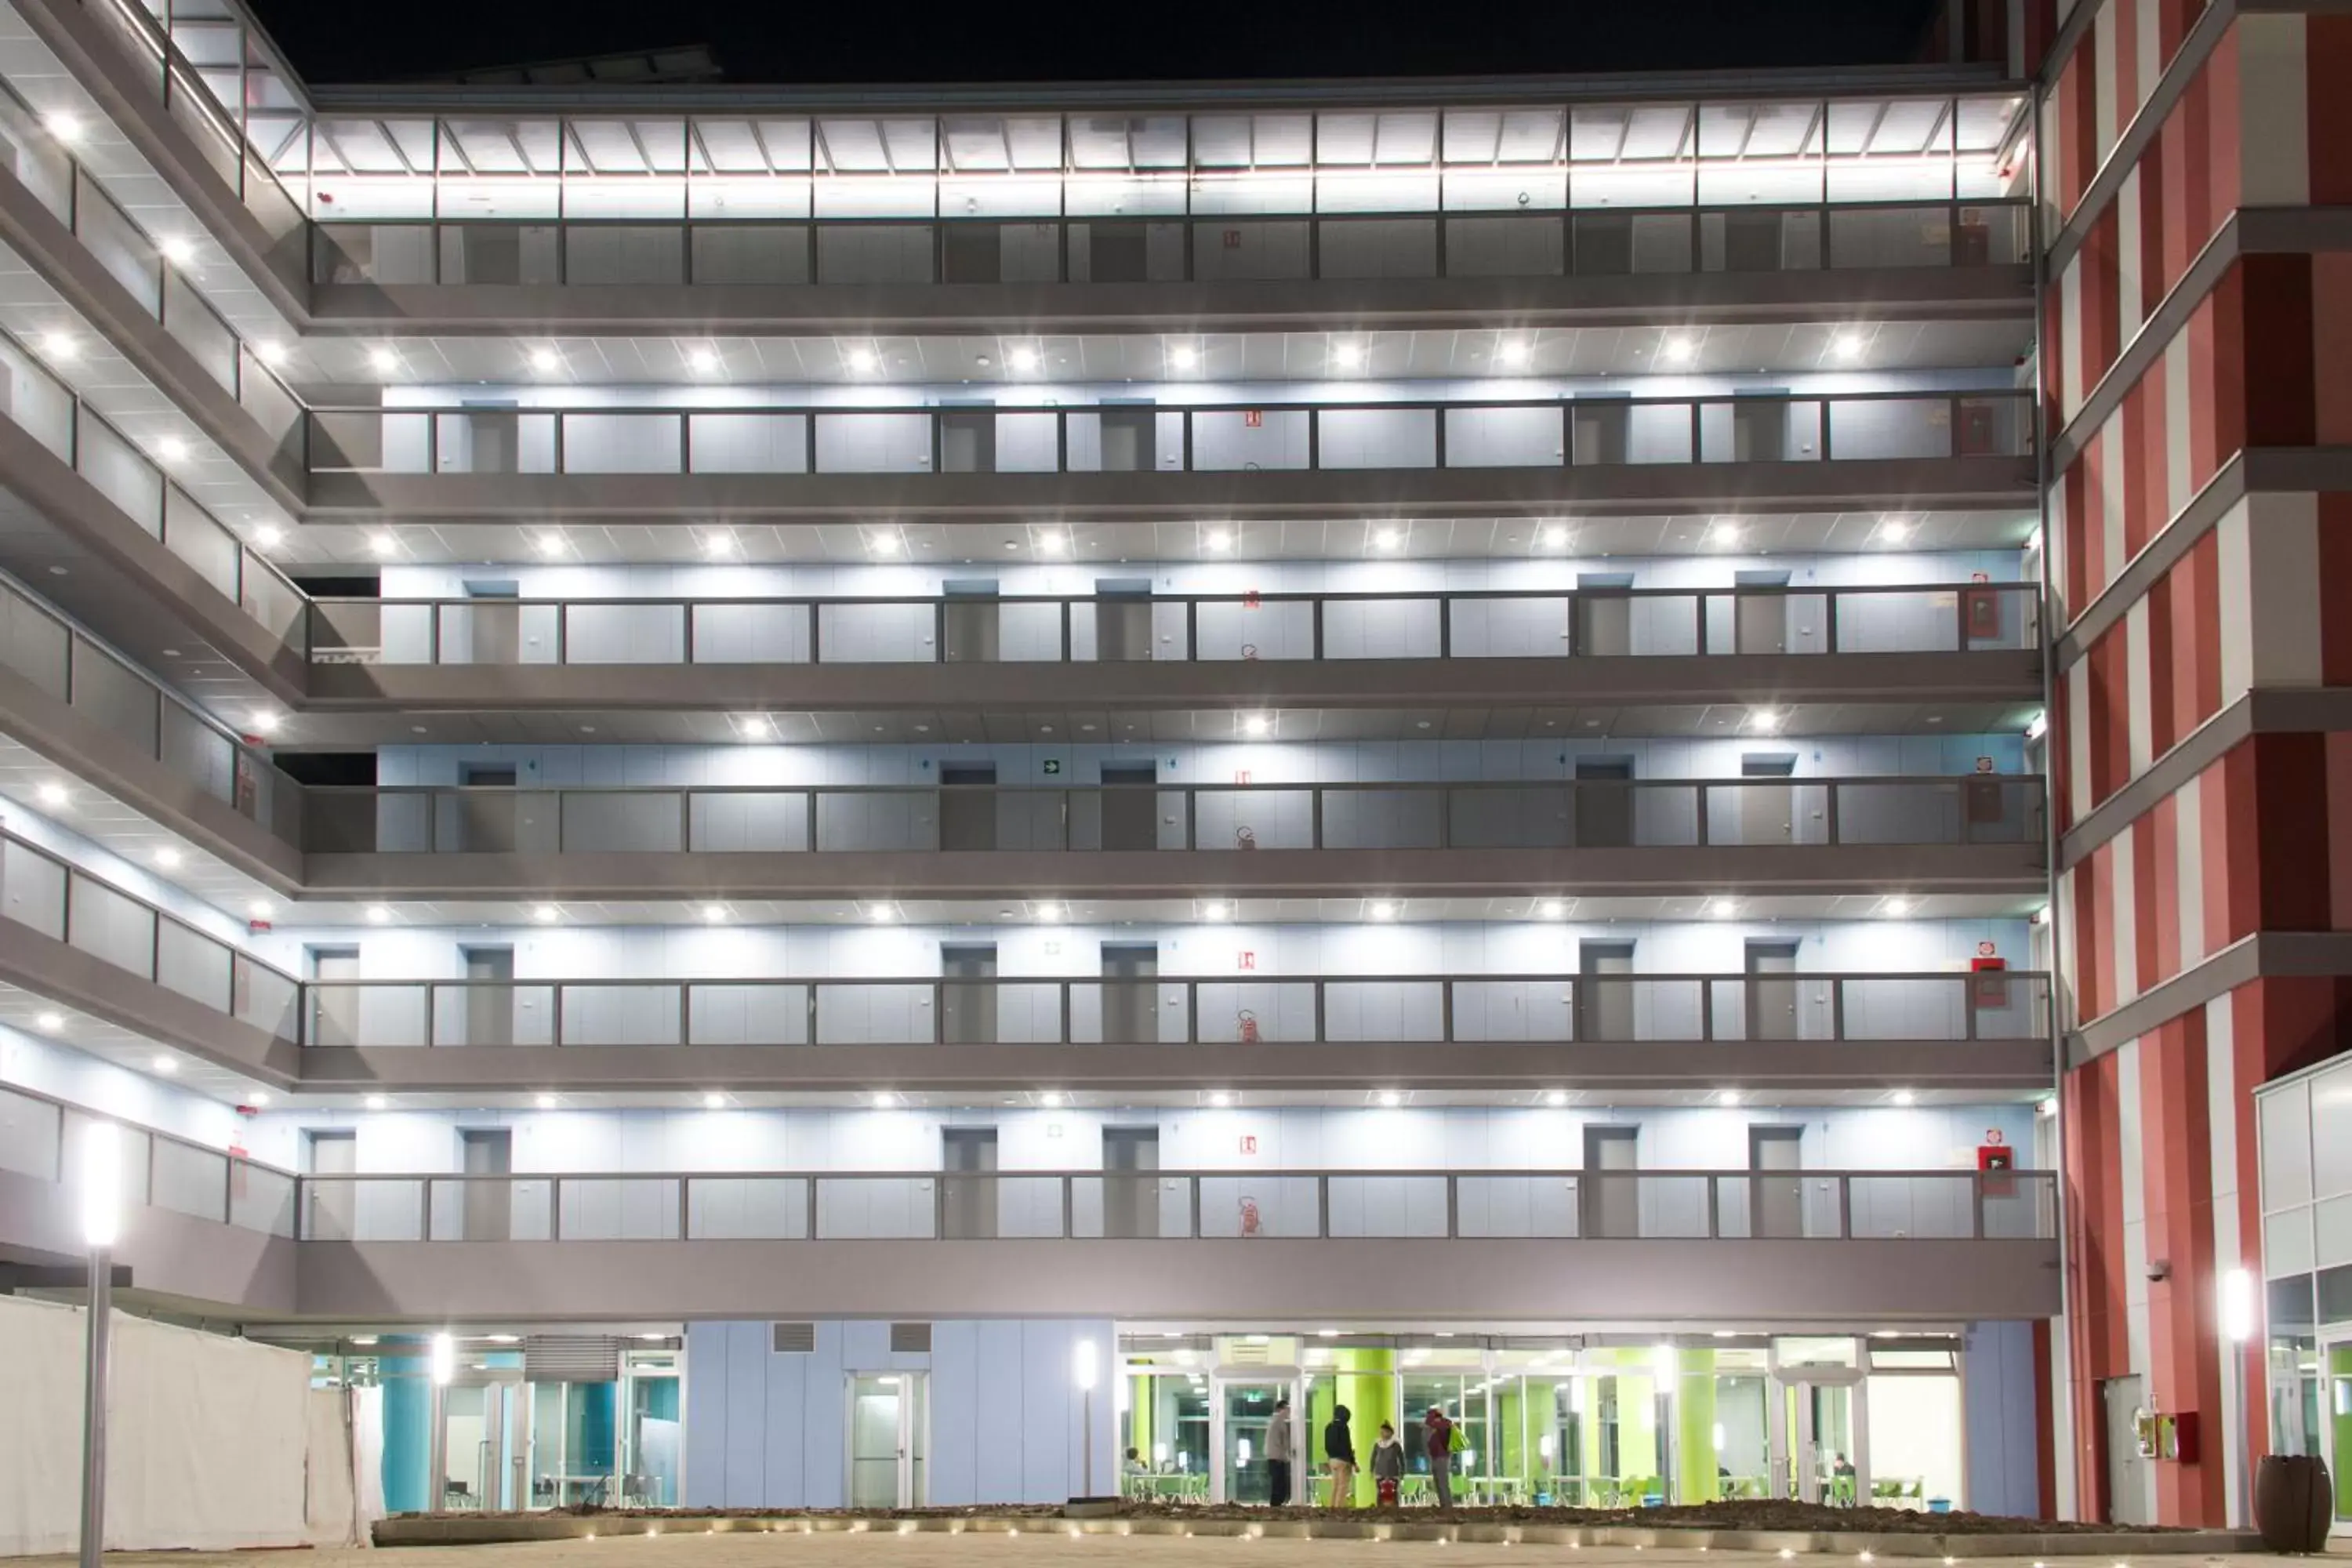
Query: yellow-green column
x: 1139, y: 1413
x: 1367, y: 1388
x: 1694, y: 1459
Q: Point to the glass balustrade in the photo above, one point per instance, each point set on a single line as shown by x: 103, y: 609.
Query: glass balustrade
x: 41, y: 1137
x: 1590, y: 815
x: 1232, y: 628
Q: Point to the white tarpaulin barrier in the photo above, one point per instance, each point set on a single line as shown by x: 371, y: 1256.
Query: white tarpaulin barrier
x: 208, y: 1440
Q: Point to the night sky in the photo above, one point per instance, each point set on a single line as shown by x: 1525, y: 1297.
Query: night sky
x: 839, y: 41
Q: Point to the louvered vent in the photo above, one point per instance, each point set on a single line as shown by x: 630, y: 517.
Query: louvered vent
x: 1242, y: 1352
x: 571, y: 1358
x: 792, y: 1339
x: 911, y: 1337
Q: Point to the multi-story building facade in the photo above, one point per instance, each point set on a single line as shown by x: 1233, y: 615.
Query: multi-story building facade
x: 786, y: 761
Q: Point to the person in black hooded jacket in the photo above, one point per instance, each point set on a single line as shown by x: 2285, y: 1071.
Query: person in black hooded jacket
x: 1339, y: 1449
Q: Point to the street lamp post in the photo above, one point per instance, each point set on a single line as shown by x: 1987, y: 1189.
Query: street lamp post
x: 2236, y: 1324
x: 101, y: 1222
x: 1086, y: 1367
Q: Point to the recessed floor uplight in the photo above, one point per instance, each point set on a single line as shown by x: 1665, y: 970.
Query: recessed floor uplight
x: 544, y: 360
x: 376, y: 1102
x: 1183, y: 356
x: 59, y: 345
x: 171, y: 449
x: 862, y: 360
x: 714, y: 1101
x: 702, y: 361
x: 1052, y: 1101
x: 1723, y: 909
x: 54, y: 795
x: 1023, y: 358
x: 1218, y: 539
x: 167, y: 1066
x: 1255, y: 724
x: 267, y: 537
x: 1391, y: 1100
x: 1680, y: 351
x: 51, y: 1023
x: 1848, y: 346
x: 1217, y: 911
x: 1348, y: 355
x: 1383, y: 911
x: 377, y: 914
x: 1556, y: 1097
x: 65, y: 125
x: 168, y: 858
x: 383, y: 362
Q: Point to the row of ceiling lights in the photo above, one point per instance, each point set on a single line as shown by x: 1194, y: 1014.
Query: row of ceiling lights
x: 1053, y: 1100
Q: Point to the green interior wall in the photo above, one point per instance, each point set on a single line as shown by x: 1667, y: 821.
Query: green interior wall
x: 2339, y: 1364
x: 1138, y: 1418
x: 1696, y: 1462
x: 1367, y: 1385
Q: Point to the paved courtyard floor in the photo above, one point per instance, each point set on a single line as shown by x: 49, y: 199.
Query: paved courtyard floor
x: 1049, y: 1547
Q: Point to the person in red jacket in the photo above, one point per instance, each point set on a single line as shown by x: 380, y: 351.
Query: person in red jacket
x: 1437, y: 1433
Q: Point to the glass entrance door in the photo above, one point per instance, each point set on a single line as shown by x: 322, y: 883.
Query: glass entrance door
x: 1821, y: 1440
x: 886, y: 1430
x: 485, y: 1443
x: 1243, y: 1412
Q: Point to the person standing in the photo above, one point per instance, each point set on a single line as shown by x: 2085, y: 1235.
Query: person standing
x: 1388, y: 1466
x: 1437, y: 1439
x: 1278, y: 1456
x: 1339, y: 1449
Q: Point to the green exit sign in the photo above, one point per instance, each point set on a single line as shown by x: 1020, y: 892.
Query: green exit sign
x: 1052, y: 765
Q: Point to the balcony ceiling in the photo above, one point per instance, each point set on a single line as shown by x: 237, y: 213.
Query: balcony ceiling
x: 338, y: 368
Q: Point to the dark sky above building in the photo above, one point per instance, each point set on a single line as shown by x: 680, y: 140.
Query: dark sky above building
x: 843, y: 41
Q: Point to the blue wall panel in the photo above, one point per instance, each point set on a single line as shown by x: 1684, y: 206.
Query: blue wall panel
x: 1048, y: 1412
x: 787, y: 1481
x: 2003, y: 1419
x: 705, y: 1437
x: 747, y: 1415
x: 956, y: 1431
x: 824, y: 1421
x: 998, y: 1385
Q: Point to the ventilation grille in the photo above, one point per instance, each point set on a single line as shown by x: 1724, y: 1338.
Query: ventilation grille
x: 1242, y: 1352
x: 792, y: 1339
x: 571, y: 1358
x: 911, y: 1338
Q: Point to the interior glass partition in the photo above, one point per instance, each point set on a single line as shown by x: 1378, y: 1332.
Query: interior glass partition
x: 1164, y: 1434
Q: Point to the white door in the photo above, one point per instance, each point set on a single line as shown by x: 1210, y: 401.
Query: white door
x: 886, y: 1439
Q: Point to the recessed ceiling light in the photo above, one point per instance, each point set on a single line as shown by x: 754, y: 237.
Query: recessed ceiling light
x: 258, y: 1097
x: 1050, y: 1100
x: 1724, y: 533
x: 384, y: 545
x: 884, y: 544
x: 545, y: 359
x: 1053, y: 542
x: 877, y: 911
x: 547, y: 914
x: 552, y: 545
x: 1551, y: 908
x: 177, y: 252
x: 1391, y: 1098
x: 1383, y: 911
x: 263, y: 722
x: 59, y: 345
x: 1557, y: 1098
x: 51, y: 1023
x: 1681, y: 351
x: 714, y: 1101
x: 755, y: 727
x: 261, y: 909
x: 702, y: 360
x: 267, y: 537
x: 1904, y: 1097
x: 382, y: 361
x: 1216, y: 911
x: 1183, y: 356
x: 544, y: 1101
x: 883, y: 1099
x: 1218, y: 539
x: 1729, y: 1096
x: 65, y: 125
x: 1894, y: 531
x: 1555, y: 535
x: 1255, y: 724
x: 719, y: 546
x: 1387, y: 538
x: 1763, y: 720
x: 1723, y: 909
x: 1898, y: 906
x: 1023, y: 358
x: 1515, y: 351
x: 168, y: 858
x: 377, y: 914
x: 171, y: 449
x: 1348, y: 355
x: 714, y: 914
x: 1219, y: 1098
x: 1848, y: 346
x: 1050, y: 912
x: 862, y: 360
x: 269, y: 351
x: 167, y: 1066
x: 54, y: 794
x: 376, y: 1102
